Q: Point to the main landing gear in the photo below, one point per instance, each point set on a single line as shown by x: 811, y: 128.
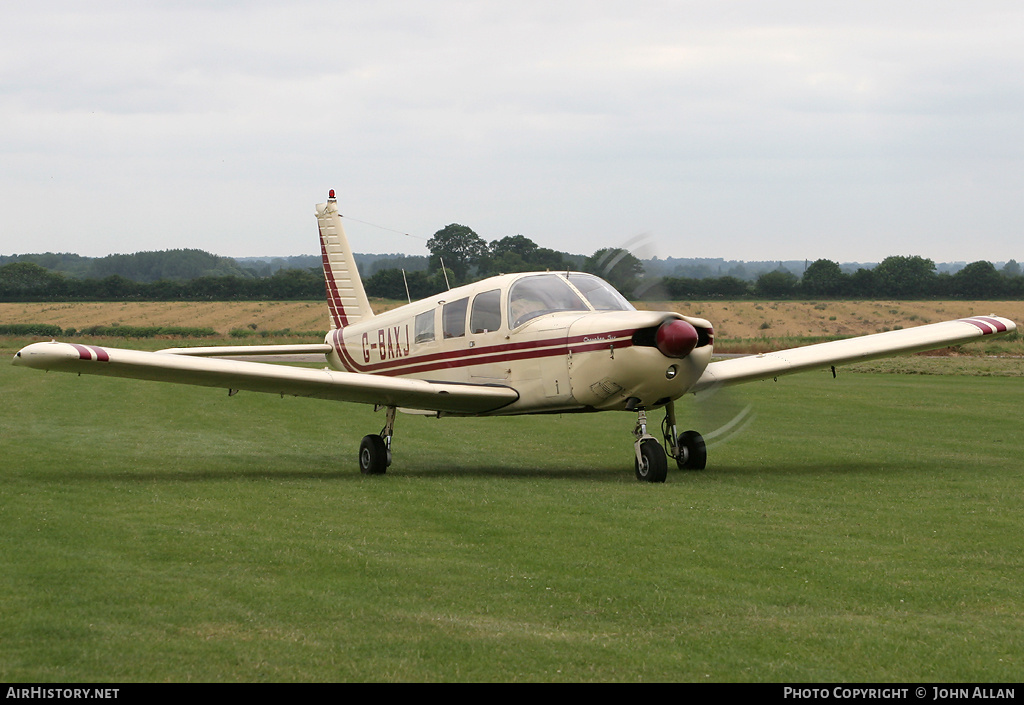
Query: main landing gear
x: 686, y: 448
x: 651, y: 464
x: 375, y: 450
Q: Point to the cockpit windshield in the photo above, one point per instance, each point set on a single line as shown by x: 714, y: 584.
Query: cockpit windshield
x: 549, y: 293
x: 601, y: 295
x: 545, y: 293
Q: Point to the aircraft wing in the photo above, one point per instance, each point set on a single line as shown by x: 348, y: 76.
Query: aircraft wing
x: 266, y: 377
x: 841, y: 352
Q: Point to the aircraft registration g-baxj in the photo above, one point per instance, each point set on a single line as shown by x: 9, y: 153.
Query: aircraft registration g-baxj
x: 526, y: 343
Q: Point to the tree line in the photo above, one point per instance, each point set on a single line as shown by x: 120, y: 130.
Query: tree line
x: 140, y: 266
x: 458, y: 255
x: 25, y: 281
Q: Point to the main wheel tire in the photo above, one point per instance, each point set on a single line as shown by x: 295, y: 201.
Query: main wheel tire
x: 693, y: 454
x: 373, y: 455
x: 652, y: 466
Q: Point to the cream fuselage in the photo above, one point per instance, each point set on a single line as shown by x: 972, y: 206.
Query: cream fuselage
x: 561, y: 360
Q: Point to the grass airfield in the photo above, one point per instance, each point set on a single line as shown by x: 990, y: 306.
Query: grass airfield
x: 865, y: 528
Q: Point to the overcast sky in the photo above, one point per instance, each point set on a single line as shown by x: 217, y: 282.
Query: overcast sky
x: 750, y: 130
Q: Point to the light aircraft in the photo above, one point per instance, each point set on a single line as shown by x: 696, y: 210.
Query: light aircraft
x: 527, y: 343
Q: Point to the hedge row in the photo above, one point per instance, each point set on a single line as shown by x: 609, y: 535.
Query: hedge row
x: 54, y: 331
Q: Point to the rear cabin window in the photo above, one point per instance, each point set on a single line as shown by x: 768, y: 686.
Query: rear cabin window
x: 453, y: 318
x: 486, y: 315
x: 425, y: 327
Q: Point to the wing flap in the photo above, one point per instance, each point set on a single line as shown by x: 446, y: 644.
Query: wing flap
x: 266, y: 377
x: 247, y: 350
x: 841, y: 352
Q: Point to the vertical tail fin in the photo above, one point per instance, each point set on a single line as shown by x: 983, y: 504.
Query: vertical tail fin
x: 346, y: 298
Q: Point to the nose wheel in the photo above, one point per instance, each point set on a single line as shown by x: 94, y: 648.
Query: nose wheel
x: 651, y: 462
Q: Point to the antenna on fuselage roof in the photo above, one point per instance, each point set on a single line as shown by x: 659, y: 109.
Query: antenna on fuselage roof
x: 406, y: 286
x: 445, y: 273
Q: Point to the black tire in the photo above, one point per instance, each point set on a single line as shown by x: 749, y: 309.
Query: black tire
x: 693, y: 454
x: 654, y: 465
x: 373, y: 456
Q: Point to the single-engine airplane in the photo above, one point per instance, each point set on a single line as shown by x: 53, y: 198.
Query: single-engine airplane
x: 526, y: 343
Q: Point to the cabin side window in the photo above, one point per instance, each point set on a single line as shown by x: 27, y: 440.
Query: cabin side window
x: 453, y: 318
x: 425, y: 327
x: 486, y: 315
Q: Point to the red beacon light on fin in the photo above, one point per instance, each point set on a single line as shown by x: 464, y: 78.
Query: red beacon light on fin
x: 331, y: 196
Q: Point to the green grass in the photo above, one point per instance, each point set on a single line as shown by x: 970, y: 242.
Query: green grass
x: 866, y: 529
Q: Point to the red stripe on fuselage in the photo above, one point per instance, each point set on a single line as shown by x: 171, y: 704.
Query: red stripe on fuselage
x: 467, y: 357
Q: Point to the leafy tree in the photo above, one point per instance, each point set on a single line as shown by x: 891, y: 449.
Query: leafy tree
x: 708, y: 288
x: 518, y: 253
x: 777, y: 284
x: 823, y: 277
x: 295, y: 284
x: 25, y: 279
x: 115, y: 287
x: 459, y: 248
x: 549, y: 260
x: 905, y: 277
x: 862, y: 283
x: 518, y: 244
x: 978, y: 280
x: 617, y: 266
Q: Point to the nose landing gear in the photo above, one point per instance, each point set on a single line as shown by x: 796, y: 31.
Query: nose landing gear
x: 687, y: 448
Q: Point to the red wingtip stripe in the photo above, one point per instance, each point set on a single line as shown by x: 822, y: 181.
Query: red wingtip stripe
x: 995, y: 322
x: 986, y: 325
x: 91, y: 352
x: 83, y: 351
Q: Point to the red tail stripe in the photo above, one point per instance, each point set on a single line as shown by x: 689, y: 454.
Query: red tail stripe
x: 337, y: 308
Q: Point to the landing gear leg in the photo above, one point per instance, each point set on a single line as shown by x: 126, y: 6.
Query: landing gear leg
x: 688, y: 447
x: 651, y: 463
x: 375, y: 450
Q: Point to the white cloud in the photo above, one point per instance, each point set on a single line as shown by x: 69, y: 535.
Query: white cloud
x: 739, y: 129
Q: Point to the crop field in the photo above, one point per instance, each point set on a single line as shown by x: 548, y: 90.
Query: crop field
x: 732, y: 319
x: 859, y: 529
